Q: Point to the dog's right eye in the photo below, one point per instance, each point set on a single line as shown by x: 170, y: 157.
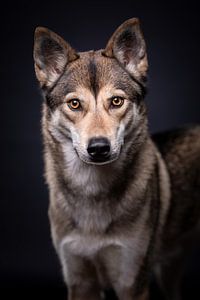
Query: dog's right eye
x: 74, y: 104
x: 117, y: 102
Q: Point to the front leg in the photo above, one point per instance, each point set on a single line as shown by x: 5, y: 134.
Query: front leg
x: 144, y: 295
x: 127, y: 272
x: 80, y: 277
x: 128, y: 294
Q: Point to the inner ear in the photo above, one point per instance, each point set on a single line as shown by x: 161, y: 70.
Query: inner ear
x: 127, y: 45
x: 51, y: 55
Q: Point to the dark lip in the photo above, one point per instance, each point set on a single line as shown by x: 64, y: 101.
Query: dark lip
x: 98, y: 162
x: 89, y: 161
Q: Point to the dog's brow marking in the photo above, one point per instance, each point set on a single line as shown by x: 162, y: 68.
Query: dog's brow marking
x: 92, y: 69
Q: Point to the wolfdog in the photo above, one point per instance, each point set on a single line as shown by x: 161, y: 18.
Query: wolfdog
x: 119, y: 198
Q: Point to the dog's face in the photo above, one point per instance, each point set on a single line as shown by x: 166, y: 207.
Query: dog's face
x: 93, y: 98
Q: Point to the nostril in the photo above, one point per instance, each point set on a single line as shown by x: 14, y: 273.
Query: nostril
x: 98, y: 148
x: 92, y: 150
x: 104, y: 150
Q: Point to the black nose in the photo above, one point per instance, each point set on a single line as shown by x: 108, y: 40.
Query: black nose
x: 99, y: 148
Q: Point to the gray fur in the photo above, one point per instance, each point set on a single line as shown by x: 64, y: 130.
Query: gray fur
x: 111, y: 222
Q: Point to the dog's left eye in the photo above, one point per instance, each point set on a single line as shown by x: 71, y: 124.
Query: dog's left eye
x: 117, y: 102
x: 74, y: 104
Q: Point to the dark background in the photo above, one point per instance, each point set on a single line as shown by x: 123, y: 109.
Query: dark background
x: 172, y: 30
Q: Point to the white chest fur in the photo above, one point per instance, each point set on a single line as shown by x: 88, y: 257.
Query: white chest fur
x: 128, y: 247
x: 87, y: 245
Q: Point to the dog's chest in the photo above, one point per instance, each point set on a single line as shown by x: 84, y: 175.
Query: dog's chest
x: 93, y: 217
x: 95, y: 235
x: 117, y: 253
x: 101, y: 250
x: 87, y: 245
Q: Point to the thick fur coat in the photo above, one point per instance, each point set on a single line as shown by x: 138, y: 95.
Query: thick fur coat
x: 119, y: 199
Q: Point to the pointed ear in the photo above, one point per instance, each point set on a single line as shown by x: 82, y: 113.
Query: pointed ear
x: 127, y: 45
x: 51, y: 55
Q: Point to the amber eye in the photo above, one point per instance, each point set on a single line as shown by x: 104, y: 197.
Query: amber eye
x: 74, y: 104
x: 117, y: 102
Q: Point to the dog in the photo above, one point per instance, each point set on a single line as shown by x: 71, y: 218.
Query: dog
x: 119, y: 198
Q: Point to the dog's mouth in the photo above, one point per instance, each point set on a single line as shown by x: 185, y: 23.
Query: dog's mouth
x: 97, y: 160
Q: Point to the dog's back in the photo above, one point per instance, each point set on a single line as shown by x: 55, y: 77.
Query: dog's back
x: 180, y: 149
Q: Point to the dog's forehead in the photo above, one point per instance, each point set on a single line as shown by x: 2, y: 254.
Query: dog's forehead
x: 94, y: 68
x: 93, y: 71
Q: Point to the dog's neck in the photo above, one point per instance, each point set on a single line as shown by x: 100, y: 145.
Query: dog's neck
x: 92, y: 194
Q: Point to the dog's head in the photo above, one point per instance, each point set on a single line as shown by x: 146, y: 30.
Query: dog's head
x: 94, y: 98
